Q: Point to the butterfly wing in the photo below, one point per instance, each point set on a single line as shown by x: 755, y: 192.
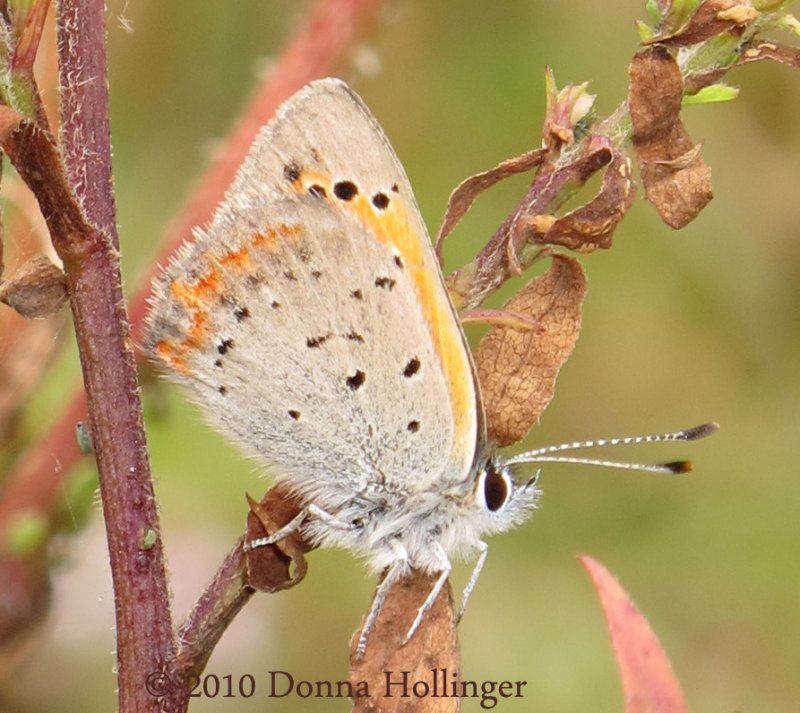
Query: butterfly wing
x: 310, y: 320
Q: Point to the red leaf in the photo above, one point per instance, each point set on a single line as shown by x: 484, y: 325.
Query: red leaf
x: 649, y: 684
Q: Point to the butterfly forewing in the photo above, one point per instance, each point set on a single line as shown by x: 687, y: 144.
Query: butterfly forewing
x: 310, y: 320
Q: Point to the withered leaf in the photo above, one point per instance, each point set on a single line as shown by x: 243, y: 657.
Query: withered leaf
x: 648, y: 681
x: 283, y: 564
x: 676, y: 179
x: 789, y: 56
x: 465, y: 193
x: 433, y: 646
x: 517, y: 368
x: 654, y: 98
x: 520, y: 240
x: 38, y: 289
x: 592, y: 225
x: 712, y: 18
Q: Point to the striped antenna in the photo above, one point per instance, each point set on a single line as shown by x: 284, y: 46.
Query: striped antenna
x: 548, y: 454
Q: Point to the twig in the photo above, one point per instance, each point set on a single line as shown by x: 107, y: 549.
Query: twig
x: 85, y: 239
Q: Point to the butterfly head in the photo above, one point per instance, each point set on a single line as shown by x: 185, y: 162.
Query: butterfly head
x: 501, y: 500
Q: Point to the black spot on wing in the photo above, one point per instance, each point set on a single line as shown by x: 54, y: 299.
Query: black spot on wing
x: 356, y: 381
x: 386, y: 283
x: 224, y: 346
x: 411, y: 368
x: 292, y: 171
x: 345, y: 190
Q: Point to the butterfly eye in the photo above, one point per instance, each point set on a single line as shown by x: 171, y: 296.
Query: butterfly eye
x: 494, y: 488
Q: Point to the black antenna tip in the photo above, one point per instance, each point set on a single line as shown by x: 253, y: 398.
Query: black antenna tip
x: 701, y: 431
x: 678, y: 466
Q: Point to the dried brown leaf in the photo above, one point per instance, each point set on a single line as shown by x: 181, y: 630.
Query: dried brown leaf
x: 282, y: 565
x: 676, y: 179
x: 789, y: 56
x: 654, y: 99
x: 712, y: 18
x: 592, y: 225
x: 679, y: 194
x: 465, y: 193
x: 517, y: 368
x: 648, y: 681
x: 434, y: 646
x: 37, y: 289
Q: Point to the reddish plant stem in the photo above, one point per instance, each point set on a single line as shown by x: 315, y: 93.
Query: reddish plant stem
x: 144, y: 630
x: 83, y: 91
x: 216, y: 608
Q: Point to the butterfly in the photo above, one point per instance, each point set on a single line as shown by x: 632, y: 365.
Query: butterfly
x: 311, y: 323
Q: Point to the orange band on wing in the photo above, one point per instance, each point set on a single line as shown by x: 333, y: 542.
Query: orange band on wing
x: 197, y: 296
x: 385, y: 216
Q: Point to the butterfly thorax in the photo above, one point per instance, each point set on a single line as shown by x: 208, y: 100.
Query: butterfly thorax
x: 418, y: 525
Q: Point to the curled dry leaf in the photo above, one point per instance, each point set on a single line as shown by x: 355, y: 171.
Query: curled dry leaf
x: 517, y: 368
x: 712, y: 18
x: 38, y: 289
x: 649, y: 684
x: 592, y: 225
x: 465, y: 193
x: 434, y: 646
x: 282, y: 565
x: 789, y: 56
x: 676, y: 179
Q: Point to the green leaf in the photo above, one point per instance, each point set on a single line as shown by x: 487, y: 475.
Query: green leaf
x: 653, y: 12
x: 680, y: 13
x: 646, y: 33
x: 711, y: 94
x: 789, y: 22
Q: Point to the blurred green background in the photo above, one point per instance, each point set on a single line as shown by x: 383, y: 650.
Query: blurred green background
x: 679, y: 328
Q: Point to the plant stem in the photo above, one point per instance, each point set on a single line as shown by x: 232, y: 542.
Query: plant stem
x: 145, y: 641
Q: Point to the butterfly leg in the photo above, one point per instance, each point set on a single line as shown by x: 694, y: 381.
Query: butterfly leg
x: 473, y: 578
x: 296, y: 522
x: 397, y: 567
x: 330, y: 520
x: 290, y: 527
x: 446, y: 567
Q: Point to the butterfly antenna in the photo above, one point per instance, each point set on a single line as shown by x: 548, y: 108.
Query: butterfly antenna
x: 550, y: 454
